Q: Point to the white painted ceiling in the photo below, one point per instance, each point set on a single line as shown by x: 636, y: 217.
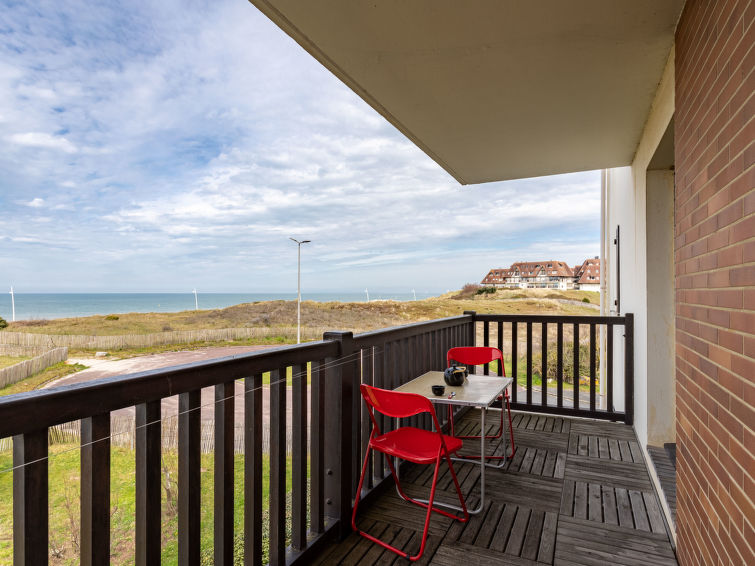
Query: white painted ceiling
x: 495, y: 90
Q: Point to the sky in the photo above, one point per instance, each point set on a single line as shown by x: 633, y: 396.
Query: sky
x: 162, y: 146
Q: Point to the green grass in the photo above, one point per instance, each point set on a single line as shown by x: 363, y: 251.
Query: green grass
x: 64, y: 481
x: 521, y: 375
x: 7, y: 361
x: 39, y: 379
x: 148, y: 350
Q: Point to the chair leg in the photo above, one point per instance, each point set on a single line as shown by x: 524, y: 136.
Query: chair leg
x: 359, y: 490
x: 458, y: 489
x: 429, y: 512
x: 428, y: 505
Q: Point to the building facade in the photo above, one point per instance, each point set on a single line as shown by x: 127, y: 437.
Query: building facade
x: 550, y: 274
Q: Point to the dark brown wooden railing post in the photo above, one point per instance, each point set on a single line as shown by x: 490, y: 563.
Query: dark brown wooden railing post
x: 299, y: 457
x: 277, y: 501
x: 224, y: 428
x: 30, y: 513
x: 253, y: 470
x: 95, y: 490
x: 472, y: 337
x: 189, y: 478
x: 629, y: 368
x: 148, y: 489
x: 339, y: 392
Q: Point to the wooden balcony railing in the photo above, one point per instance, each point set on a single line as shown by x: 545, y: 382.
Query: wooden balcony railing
x: 329, y: 430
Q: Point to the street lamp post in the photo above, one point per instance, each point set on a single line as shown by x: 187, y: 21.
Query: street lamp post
x: 298, y: 288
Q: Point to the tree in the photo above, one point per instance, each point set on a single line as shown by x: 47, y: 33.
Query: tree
x: 3, y: 322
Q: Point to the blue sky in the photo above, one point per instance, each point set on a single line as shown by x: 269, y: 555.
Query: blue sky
x: 161, y: 146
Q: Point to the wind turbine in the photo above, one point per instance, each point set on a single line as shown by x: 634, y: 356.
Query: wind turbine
x: 415, y: 294
x: 368, y: 295
x: 13, y: 303
x: 196, y: 301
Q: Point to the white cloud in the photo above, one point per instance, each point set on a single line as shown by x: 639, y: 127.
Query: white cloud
x: 40, y: 139
x: 36, y: 203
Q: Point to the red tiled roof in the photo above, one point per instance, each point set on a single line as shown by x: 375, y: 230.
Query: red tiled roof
x: 551, y: 268
x: 496, y: 276
x: 588, y: 272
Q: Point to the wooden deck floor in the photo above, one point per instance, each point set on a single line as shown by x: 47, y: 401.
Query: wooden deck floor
x: 576, y: 492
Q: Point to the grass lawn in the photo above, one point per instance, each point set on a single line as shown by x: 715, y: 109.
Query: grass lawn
x: 39, y: 379
x: 521, y: 377
x: 7, y: 361
x: 64, y: 481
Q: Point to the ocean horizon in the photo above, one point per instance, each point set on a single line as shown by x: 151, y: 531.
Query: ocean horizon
x: 39, y: 306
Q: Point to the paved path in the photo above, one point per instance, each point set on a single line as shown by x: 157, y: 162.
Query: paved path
x: 100, y: 368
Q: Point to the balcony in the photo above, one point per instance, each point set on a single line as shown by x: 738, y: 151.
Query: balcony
x: 577, y: 490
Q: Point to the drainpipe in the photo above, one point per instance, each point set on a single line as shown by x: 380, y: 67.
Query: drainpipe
x: 603, y: 275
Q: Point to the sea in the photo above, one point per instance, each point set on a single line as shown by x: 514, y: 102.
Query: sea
x: 39, y: 306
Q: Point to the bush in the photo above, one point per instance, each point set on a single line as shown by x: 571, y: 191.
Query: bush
x: 112, y: 317
x: 585, y: 300
x: 468, y: 291
x: 3, y: 323
x: 485, y: 291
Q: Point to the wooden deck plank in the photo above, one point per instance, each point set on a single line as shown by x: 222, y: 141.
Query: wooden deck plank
x: 567, y: 499
x: 557, y: 441
x: 485, y: 536
x: 638, y: 511
x: 516, y: 539
x: 532, y: 536
x: 595, y: 503
x: 624, y: 508
x: 654, y: 513
x: 610, y: 514
x: 580, y: 500
x: 592, y: 446
x: 538, y: 462
x: 503, y: 531
x: 549, y: 465
x: 529, y: 457
x: 548, y: 539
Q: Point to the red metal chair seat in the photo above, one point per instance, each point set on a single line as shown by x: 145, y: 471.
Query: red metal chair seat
x: 414, y: 444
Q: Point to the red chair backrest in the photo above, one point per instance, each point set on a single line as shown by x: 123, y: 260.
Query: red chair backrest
x: 394, y: 403
x: 475, y: 355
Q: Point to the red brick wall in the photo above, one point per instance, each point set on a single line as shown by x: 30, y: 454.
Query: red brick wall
x: 715, y: 282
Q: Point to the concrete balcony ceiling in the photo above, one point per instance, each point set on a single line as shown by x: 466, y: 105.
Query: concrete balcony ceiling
x: 495, y: 90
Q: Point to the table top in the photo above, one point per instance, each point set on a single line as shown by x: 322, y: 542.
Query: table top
x: 477, y: 391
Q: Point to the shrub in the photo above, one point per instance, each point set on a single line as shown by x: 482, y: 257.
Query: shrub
x: 3, y: 323
x: 468, y: 291
x: 485, y: 291
x: 112, y: 317
x: 585, y: 300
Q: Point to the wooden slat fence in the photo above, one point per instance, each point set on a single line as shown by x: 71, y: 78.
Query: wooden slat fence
x: 155, y: 339
x: 26, y: 368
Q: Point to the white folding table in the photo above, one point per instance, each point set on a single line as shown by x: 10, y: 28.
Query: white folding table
x: 479, y: 391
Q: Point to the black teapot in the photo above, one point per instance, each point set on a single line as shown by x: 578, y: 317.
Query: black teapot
x: 455, y: 375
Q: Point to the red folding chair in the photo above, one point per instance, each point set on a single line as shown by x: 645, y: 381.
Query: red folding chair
x: 474, y: 356
x: 408, y: 443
